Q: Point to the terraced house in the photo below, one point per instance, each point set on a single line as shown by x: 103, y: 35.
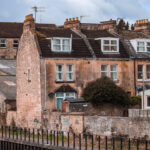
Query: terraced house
x: 55, y: 64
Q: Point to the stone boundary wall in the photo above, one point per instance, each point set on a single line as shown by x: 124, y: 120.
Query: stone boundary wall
x: 11, y: 115
x: 138, y: 113
x: 118, y: 126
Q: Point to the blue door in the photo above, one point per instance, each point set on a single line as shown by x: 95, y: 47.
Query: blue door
x: 59, y: 103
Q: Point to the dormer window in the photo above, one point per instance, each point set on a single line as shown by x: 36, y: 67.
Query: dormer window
x: 61, y: 44
x: 141, y: 45
x: 109, y: 45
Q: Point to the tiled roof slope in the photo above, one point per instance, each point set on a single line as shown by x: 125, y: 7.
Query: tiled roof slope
x: 14, y: 29
x: 79, y: 48
x: 128, y: 34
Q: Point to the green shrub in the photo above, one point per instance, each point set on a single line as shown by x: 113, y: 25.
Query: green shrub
x: 13, y: 124
x: 104, y: 90
x: 135, y: 100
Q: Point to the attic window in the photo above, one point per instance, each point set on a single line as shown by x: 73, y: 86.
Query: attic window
x: 141, y: 45
x: 61, y: 44
x: 110, y: 45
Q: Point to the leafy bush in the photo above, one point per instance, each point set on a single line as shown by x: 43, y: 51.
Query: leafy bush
x: 135, y: 100
x: 104, y: 90
x: 13, y: 124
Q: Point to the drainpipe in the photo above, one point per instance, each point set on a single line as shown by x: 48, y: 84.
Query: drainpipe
x: 45, y: 84
x: 134, y: 61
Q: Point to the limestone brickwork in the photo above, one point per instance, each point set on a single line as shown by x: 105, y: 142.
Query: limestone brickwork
x: 28, y: 78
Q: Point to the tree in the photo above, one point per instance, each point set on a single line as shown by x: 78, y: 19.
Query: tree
x: 121, y: 25
x: 132, y: 27
x: 104, y: 90
x: 127, y: 26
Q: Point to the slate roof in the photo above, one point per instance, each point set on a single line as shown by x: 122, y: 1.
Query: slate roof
x: 79, y: 48
x: 65, y: 88
x: 128, y: 34
x: 8, y: 67
x: 8, y: 87
x: 14, y: 29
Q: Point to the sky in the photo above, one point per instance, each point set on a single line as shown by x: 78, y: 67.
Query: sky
x: 56, y: 11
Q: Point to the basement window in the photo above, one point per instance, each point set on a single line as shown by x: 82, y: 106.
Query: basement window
x: 2, y: 43
x: 61, y: 44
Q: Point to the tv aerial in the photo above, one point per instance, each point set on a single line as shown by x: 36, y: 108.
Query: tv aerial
x: 36, y: 10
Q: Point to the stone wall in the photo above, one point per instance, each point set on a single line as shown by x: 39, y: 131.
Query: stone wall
x: 99, y: 125
x: 11, y: 115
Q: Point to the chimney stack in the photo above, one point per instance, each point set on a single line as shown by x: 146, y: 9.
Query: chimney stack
x: 72, y: 23
x: 142, y: 25
x: 108, y: 25
x: 29, y: 23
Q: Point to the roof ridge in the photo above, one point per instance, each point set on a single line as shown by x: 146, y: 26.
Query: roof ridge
x: 84, y: 37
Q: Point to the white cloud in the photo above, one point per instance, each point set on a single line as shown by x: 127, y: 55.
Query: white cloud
x: 56, y: 11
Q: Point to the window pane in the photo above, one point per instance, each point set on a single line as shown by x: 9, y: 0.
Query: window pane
x: 141, y: 44
x: 114, y: 75
x: 69, y: 68
x: 148, y: 49
x: 15, y: 43
x: 3, y: 43
x: 114, y: 48
x: 114, y: 42
x: 106, y: 48
x: 59, y: 94
x: 56, y: 41
x: 148, y: 43
x: 69, y: 72
x: 66, y: 42
x: 106, y: 41
x: 148, y: 101
x: 148, y: 71
x: 59, y: 67
x: 140, y: 71
x: 103, y: 74
x: 103, y: 67
x: 56, y: 47
x: 141, y: 49
x: 113, y: 67
x: 66, y: 48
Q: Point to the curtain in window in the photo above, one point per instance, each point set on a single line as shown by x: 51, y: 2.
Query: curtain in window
x: 59, y: 73
x: 140, y: 71
x: 113, y: 70
x: 104, y: 70
x: 69, y: 72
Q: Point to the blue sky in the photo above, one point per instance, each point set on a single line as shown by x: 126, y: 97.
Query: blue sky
x: 56, y: 11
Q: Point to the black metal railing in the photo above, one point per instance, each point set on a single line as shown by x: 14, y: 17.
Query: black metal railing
x: 50, y: 139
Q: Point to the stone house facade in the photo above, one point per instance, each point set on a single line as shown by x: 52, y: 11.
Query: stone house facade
x: 55, y: 64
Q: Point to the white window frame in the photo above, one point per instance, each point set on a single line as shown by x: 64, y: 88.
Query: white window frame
x: 143, y: 76
x: 61, y: 44
x: 70, y: 72
x: 114, y: 71
x: 134, y: 43
x: 148, y: 107
x: 104, y: 71
x: 109, y: 39
x: 2, y: 43
x: 62, y: 72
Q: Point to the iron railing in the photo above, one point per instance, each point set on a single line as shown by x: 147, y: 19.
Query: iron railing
x: 20, y: 138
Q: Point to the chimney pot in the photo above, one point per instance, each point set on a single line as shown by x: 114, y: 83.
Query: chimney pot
x: 76, y: 18
x: 69, y: 19
x: 73, y: 19
x: 29, y: 17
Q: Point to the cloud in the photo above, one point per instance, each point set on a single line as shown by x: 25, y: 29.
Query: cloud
x: 56, y: 11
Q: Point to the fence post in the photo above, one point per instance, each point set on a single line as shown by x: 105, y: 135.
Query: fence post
x: 146, y: 145
x: 85, y: 141
x: 47, y: 136
x: 42, y: 137
x: 79, y: 141
x: 99, y: 142
x: 62, y: 139
x: 29, y: 134
x: 129, y: 144
x: 137, y: 144
x: 113, y: 140
x: 33, y: 134
x: 57, y: 137
x: 106, y: 142
x: 68, y: 139
x: 74, y: 143
x: 92, y: 142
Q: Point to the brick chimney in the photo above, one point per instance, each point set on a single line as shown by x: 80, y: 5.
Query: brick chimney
x: 72, y: 23
x: 108, y: 25
x: 142, y: 25
x: 29, y: 23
